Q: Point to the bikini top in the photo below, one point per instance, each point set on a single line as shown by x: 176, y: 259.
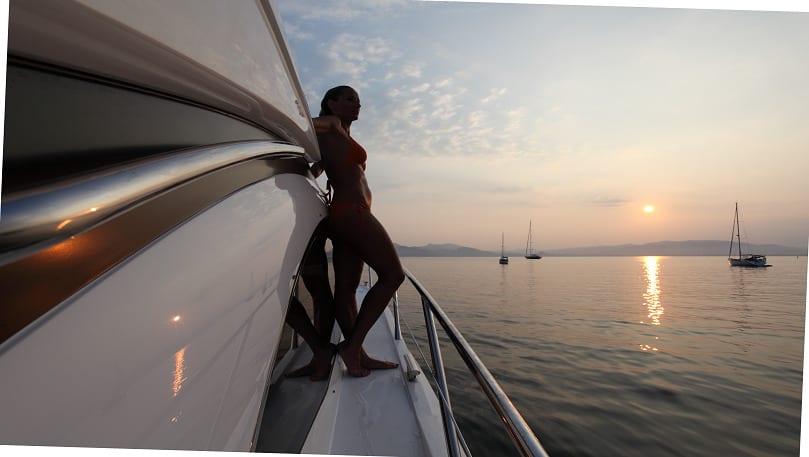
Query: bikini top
x: 356, y: 154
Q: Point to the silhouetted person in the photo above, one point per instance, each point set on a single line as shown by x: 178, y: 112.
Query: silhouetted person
x: 357, y: 236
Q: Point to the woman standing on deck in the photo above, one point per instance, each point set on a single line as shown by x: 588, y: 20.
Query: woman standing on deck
x: 357, y: 236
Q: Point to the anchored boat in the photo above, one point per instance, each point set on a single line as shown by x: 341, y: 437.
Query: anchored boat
x: 742, y: 260
x: 157, y: 209
x: 529, y: 247
x: 503, y: 257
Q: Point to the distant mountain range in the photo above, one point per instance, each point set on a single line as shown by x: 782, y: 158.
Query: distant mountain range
x: 665, y: 248
x: 440, y: 250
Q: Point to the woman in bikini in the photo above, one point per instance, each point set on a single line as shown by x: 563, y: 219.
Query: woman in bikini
x: 357, y: 236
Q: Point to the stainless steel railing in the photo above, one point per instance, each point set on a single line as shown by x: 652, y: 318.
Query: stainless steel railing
x: 58, y: 212
x: 521, y: 434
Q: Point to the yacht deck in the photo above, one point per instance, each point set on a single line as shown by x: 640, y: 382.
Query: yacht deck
x: 381, y: 414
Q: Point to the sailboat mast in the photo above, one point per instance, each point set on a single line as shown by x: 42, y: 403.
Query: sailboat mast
x: 528, y: 243
x: 738, y: 231
x: 732, y: 232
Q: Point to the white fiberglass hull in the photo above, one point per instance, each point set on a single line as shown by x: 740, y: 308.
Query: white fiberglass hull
x: 157, y: 209
x: 747, y: 263
x: 171, y: 349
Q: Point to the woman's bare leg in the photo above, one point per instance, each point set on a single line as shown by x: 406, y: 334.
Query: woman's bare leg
x: 347, y: 276
x: 318, y: 368
x: 348, y: 271
x: 315, y: 275
x: 364, y: 235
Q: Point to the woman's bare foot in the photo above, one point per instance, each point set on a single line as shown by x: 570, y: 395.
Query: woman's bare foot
x: 305, y: 370
x: 319, y: 367
x: 375, y: 364
x: 352, y: 361
x: 322, y: 362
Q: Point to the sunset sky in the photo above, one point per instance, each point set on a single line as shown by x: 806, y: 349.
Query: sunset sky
x: 478, y: 117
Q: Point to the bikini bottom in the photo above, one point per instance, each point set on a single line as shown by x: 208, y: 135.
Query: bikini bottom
x: 339, y: 208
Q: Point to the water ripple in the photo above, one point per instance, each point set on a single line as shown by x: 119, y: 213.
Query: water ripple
x: 629, y: 356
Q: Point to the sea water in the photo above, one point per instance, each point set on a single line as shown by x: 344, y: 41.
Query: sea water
x: 625, y: 356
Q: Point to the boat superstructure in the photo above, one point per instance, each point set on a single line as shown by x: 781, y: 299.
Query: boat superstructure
x: 157, y: 209
x: 742, y: 260
x: 156, y: 206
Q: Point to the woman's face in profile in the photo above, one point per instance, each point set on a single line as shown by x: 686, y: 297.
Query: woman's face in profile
x: 347, y: 105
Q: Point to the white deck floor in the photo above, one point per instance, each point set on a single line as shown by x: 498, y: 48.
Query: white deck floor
x: 381, y: 414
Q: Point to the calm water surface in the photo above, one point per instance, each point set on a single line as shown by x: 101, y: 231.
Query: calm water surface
x: 627, y: 356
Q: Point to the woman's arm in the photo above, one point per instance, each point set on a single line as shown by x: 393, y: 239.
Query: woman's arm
x: 333, y: 141
x: 328, y: 124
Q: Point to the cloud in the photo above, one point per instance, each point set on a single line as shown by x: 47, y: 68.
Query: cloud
x: 515, y: 118
x: 293, y: 31
x: 608, y: 201
x: 448, y: 125
x: 408, y: 70
x: 409, y: 112
x: 352, y: 55
x: 445, y: 106
x: 421, y: 87
x: 494, y: 94
x: 343, y: 11
x: 506, y: 189
x: 477, y: 119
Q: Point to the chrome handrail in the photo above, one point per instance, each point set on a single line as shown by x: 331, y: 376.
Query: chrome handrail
x: 440, y: 378
x: 66, y: 209
x: 397, y: 328
x: 521, y: 434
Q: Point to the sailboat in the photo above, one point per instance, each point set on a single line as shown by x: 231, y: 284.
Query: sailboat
x: 529, y: 249
x: 749, y: 260
x: 503, y: 256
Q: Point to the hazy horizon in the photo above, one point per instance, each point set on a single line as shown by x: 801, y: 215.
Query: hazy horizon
x: 478, y: 117
x: 521, y: 248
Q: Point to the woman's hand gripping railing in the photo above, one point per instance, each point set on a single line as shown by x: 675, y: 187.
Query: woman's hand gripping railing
x: 521, y: 434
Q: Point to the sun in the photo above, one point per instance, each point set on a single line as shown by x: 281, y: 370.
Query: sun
x: 649, y: 209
